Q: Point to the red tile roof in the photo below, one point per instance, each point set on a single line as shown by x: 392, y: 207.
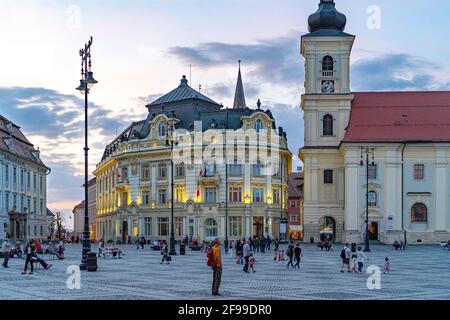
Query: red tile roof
x: 399, y: 117
x: 295, y: 182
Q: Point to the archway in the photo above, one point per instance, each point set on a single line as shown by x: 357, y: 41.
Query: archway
x: 327, y: 229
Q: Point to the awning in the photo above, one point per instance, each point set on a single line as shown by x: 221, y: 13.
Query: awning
x: 295, y: 228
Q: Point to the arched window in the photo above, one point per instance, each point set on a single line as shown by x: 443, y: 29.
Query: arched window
x: 327, y: 64
x: 210, y: 229
x: 258, y: 125
x: 372, y: 199
x: 328, y: 125
x: 162, y: 129
x: 419, y: 213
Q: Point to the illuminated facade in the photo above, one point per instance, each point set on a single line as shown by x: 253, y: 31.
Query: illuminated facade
x: 134, y: 177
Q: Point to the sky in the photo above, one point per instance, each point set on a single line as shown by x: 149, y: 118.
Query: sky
x: 141, y: 49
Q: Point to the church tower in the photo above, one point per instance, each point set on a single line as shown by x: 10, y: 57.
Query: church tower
x: 326, y: 105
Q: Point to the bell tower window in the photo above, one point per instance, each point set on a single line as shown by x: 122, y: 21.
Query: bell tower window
x: 327, y: 66
x: 328, y: 125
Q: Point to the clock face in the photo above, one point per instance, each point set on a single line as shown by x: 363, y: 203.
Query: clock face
x: 328, y: 86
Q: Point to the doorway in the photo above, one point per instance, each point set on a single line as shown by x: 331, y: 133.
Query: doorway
x: 258, y: 226
x: 373, y: 231
x: 124, y: 232
x: 328, y: 229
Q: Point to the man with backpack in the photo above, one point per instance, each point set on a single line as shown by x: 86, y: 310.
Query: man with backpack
x: 345, y: 257
x: 215, y: 262
x: 246, y: 249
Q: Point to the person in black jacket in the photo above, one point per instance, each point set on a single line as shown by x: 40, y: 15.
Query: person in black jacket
x: 29, y: 251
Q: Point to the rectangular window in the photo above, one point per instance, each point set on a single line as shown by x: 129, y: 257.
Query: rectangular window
x: 179, y: 171
x: 210, y: 195
x: 124, y: 199
x: 15, y: 202
x: 419, y: 171
x: 124, y: 173
x: 148, y: 226
x: 179, y: 193
x: 22, y: 203
x: 41, y: 184
x: 372, y: 199
x: 145, y: 175
x: 14, y: 175
x: 6, y: 173
x: 258, y: 195
x: 163, y: 226
x: 34, y: 182
x: 235, y: 169
x: 293, y: 218
x: 22, y: 180
x: 162, y: 171
x: 145, y: 198
x: 235, y: 194
x: 28, y: 181
x: 178, y: 227
x: 34, y: 206
x: 235, y: 226
x: 328, y: 176
x: 42, y: 231
x: 257, y: 169
x: 7, y: 202
x: 210, y: 170
x: 372, y: 171
x: 276, y: 196
x: 35, y: 230
x: 29, y: 204
x: 41, y: 207
x: 161, y: 196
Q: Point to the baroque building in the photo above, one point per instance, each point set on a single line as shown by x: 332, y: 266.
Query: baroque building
x: 231, y: 195
x: 23, y: 186
x: 407, y: 134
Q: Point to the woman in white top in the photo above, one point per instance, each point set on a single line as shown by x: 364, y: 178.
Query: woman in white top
x: 361, y: 258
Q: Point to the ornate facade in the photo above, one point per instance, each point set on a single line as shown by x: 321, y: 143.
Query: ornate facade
x: 23, y: 186
x: 134, y: 177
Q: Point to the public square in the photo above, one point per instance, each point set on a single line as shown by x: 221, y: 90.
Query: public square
x: 420, y: 272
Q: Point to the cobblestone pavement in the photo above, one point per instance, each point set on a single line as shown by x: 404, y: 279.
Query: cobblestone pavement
x: 421, y: 272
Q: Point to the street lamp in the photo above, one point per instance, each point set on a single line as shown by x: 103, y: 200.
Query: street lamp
x: 86, y: 83
x: 170, y: 142
x: 367, y: 152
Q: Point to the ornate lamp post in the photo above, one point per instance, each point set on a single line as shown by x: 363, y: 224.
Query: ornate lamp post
x: 367, y: 152
x: 170, y: 141
x: 86, y: 83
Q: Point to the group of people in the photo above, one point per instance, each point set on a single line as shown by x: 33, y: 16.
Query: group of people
x: 32, y: 249
x: 354, y: 258
x: 140, y: 242
x: 109, y: 249
x: 398, y: 245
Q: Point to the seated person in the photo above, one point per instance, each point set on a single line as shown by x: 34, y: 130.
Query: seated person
x: 44, y: 264
x: 117, y: 253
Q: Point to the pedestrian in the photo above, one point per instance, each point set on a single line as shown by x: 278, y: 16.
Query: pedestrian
x: 263, y: 244
x: 268, y: 242
x: 143, y: 241
x: 353, y: 261
x: 361, y: 258
x: 290, y: 254
x: 298, y: 253
x: 6, y: 248
x: 275, y: 257
x: 231, y: 250
x: 164, y: 253
x: 238, y: 251
x: 137, y: 243
x: 387, y: 265
x: 216, y: 266
x: 345, y: 258
x: 252, y: 262
x: 246, y: 249
x: 225, y: 244
x: 281, y: 256
x: 128, y: 239
x: 29, y: 251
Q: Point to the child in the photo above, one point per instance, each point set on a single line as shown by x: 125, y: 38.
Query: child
x: 387, y: 265
x: 353, y: 264
x: 275, y: 258
x: 281, y: 256
x: 252, y: 262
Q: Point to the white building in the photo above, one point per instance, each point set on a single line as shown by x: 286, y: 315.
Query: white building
x: 23, y: 186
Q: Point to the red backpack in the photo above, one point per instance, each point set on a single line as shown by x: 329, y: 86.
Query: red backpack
x: 210, y: 256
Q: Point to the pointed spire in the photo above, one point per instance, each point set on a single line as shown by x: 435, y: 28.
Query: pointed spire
x: 239, y: 97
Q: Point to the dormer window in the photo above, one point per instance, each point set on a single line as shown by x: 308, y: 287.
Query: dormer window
x: 162, y: 129
x: 328, y: 125
x: 258, y: 125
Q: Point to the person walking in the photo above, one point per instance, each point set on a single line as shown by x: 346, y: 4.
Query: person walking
x: 268, y: 241
x: 29, y: 251
x: 6, y: 248
x: 345, y: 258
x: 225, y: 243
x: 246, y: 249
x: 290, y: 254
x: 238, y: 251
x: 361, y: 258
x: 164, y: 252
x: 387, y: 265
x: 143, y: 241
x: 217, y: 267
x: 252, y: 262
x: 297, y: 253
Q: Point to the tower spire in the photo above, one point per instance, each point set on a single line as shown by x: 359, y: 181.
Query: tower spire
x: 239, y: 97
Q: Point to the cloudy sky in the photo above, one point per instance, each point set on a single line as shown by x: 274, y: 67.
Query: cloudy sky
x: 142, y: 48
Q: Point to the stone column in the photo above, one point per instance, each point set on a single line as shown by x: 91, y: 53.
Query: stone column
x: 270, y: 221
x: 441, y: 209
x: 351, y: 212
x: 247, y: 223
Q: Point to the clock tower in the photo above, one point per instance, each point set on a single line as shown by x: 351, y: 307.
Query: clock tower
x: 326, y: 105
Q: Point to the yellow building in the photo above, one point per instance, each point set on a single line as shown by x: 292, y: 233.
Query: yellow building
x: 210, y: 198
x: 402, y: 192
